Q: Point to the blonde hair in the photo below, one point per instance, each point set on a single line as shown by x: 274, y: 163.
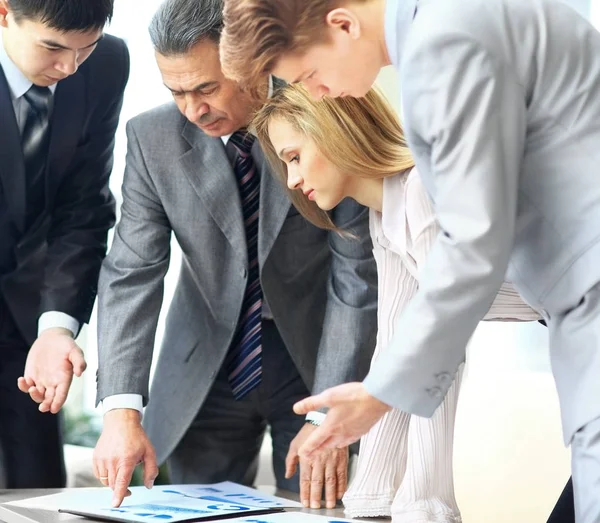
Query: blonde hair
x: 257, y: 33
x: 361, y: 136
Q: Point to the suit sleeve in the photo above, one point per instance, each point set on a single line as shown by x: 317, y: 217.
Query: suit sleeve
x: 350, y: 325
x: 84, y: 211
x: 508, y: 304
x: 131, y: 283
x: 466, y: 119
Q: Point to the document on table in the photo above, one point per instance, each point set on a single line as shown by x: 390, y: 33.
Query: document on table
x: 167, y: 502
x: 172, y: 509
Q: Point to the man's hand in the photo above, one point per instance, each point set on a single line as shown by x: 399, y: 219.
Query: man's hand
x: 123, y: 444
x: 51, y: 363
x: 325, y: 468
x: 352, y: 412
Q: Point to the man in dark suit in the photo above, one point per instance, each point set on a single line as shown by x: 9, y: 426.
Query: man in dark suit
x: 58, y: 117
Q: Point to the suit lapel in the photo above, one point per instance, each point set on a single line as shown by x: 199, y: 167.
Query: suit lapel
x: 12, y: 164
x: 66, y: 128
x: 274, y: 206
x: 210, y: 173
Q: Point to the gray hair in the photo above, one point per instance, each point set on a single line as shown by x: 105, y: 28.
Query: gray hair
x: 179, y: 25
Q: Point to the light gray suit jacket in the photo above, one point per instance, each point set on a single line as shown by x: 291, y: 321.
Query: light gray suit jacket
x: 320, y: 287
x: 501, y: 102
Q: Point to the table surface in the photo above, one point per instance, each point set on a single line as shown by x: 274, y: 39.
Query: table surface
x: 11, y: 514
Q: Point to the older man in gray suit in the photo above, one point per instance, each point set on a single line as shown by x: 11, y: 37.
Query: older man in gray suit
x: 267, y: 307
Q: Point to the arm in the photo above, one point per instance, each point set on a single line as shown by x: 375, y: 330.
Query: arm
x: 347, y: 343
x: 82, y: 215
x: 468, y: 122
x: 350, y: 325
x: 131, y: 282
x: 466, y: 117
x: 508, y: 304
x: 130, y: 297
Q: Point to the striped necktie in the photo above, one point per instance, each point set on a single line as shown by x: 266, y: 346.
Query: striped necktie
x: 34, y: 141
x: 244, y: 361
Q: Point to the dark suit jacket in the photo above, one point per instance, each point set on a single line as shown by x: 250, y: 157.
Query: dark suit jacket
x: 58, y: 257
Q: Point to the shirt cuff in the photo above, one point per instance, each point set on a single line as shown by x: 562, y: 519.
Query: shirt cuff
x: 54, y: 319
x: 123, y: 401
x: 314, y: 417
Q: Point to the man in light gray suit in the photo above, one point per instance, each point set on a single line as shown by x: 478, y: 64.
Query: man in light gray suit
x: 502, y: 112
x: 262, y: 293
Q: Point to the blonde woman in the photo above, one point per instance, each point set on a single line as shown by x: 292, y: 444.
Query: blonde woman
x: 331, y: 149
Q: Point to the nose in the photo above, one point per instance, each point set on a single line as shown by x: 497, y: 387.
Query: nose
x: 195, y: 108
x: 294, y: 180
x: 68, y: 63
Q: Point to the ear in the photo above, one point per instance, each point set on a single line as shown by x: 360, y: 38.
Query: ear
x: 345, y: 20
x: 3, y: 13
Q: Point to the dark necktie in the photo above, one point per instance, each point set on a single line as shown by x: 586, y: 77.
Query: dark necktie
x: 34, y: 141
x: 244, y: 361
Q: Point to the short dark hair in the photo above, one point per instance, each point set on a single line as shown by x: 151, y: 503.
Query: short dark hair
x: 64, y: 15
x: 178, y: 25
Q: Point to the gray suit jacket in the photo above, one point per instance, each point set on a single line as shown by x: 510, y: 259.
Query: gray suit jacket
x: 320, y: 287
x: 501, y: 101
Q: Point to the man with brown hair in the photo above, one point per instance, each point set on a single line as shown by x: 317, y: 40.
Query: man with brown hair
x: 261, y: 37
x: 501, y: 109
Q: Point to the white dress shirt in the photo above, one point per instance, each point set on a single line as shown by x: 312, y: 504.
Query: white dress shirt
x: 18, y: 85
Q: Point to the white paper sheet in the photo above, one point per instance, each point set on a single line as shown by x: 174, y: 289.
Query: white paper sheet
x: 54, y: 501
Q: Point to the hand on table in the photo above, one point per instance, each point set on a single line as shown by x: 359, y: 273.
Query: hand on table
x: 325, y: 468
x: 352, y: 412
x: 123, y: 445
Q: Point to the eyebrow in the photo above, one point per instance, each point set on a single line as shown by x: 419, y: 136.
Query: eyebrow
x: 52, y: 43
x: 199, y: 87
x: 283, y: 151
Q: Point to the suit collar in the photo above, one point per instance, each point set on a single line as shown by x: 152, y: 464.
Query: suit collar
x: 210, y: 172
x: 66, y: 126
x: 67, y: 122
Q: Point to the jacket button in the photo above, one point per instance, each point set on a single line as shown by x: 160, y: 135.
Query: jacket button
x: 435, y: 392
x: 443, y: 378
x: 244, y: 273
